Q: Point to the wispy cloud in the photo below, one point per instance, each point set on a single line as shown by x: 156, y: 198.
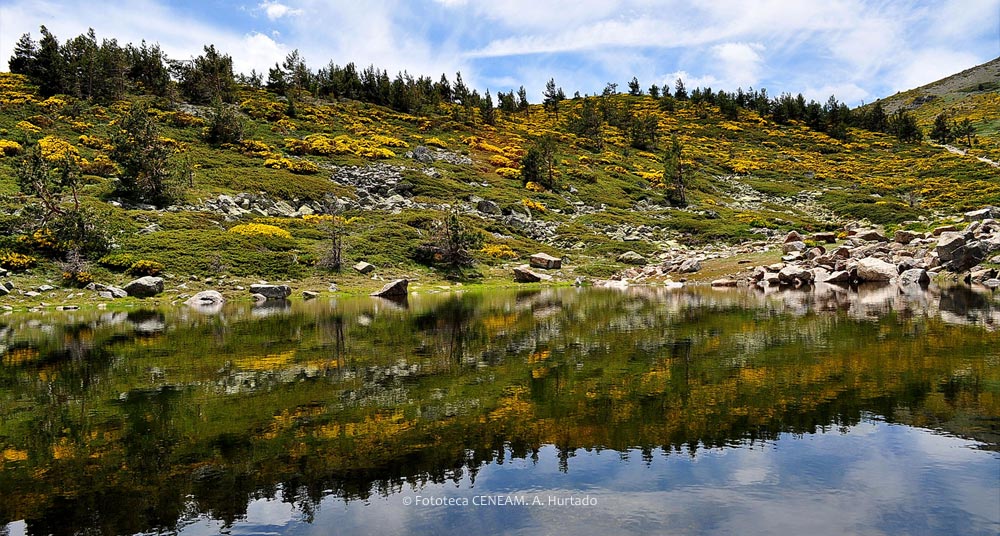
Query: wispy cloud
x: 276, y: 10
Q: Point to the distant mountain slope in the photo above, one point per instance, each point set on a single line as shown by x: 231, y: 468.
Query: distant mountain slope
x: 972, y: 94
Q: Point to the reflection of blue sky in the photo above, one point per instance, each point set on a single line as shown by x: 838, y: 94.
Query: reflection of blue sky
x: 875, y: 479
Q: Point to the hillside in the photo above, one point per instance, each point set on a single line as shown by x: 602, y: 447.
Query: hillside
x: 395, y: 176
x: 972, y: 94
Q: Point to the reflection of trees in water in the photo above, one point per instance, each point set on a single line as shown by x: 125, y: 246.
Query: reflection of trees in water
x: 497, y: 379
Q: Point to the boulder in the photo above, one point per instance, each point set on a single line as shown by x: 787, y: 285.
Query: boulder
x: 828, y: 238
x: 992, y: 283
x: 524, y: 275
x: 631, y: 257
x: 938, y: 231
x: 205, y: 297
x: 545, y: 261
x: 792, y: 274
x: 966, y: 257
x: 271, y: 292
x: 840, y: 276
x: 45, y: 288
x: 488, y: 207
x: 903, y: 236
x: 875, y: 269
x: 915, y: 276
x: 145, y: 287
x: 4, y: 291
x: 978, y: 276
x: 843, y: 252
x: 789, y: 247
x: 724, y: 283
x: 690, y: 266
x: 871, y: 235
x: 792, y: 236
x: 982, y: 214
x: 112, y: 291
x: 948, y: 244
x: 364, y: 267
x: 309, y: 294
x: 258, y: 298
x: 393, y: 289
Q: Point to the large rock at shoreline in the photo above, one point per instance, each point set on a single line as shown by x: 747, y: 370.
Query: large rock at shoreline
x: 966, y: 257
x: 205, y: 297
x: 791, y: 247
x: 145, y: 287
x: 792, y: 274
x: 874, y: 269
x: 272, y: 292
x: 948, y: 245
x: 524, y: 275
x: 915, y: 276
x: 393, y: 289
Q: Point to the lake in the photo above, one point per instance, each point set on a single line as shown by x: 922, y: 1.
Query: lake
x: 585, y: 411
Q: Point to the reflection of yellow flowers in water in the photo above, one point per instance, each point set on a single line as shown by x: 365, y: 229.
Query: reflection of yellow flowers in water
x: 265, y: 362
x: 14, y: 455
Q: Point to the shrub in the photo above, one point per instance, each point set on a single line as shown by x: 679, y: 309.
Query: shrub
x: 299, y: 166
x: 225, y: 125
x: 145, y: 267
x: 533, y: 205
x: 260, y: 229
x: 119, y: 262
x: 16, y: 261
x: 435, y: 142
x: 509, y: 173
x: 10, y: 148
x: 498, y: 251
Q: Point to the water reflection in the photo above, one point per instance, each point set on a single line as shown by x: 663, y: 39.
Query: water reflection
x: 160, y: 420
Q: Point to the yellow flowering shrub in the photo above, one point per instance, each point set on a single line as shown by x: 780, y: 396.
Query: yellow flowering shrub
x: 41, y: 240
x: 508, y: 173
x: 257, y: 148
x: 260, y: 229
x: 14, y: 261
x: 145, y: 267
x: 317, y: 218
x: 80, y: 126
x: 95, y: 142
x: 183, y: 119
x: 53, y: 103
x: 301, y: 167
x: 534, y: 187
x: 388, y: 141
x: 533, y: 205
x: 435, y: 142
x: 78, y: 279
x: 501, y: 161
x: 10, y: 148
x: 55, y: 149
x: 28, y: 127
x: 499, y: 251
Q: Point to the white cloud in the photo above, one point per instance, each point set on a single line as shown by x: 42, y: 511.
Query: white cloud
x: 740, y: 63
x: 928, y: 65
x: 276, y: 10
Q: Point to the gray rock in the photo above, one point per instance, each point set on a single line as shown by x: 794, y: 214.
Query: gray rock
x: 725, y: 283
x: 4, y: 291
x: 903, y: 236
x: 364, y: 267
x: 32, y: 294
x: 206, y: 297
x: 793, y: 274
x: 631, y: 257
x: 3, y: 272
x: 789, y: 247
x: 792, y: 236
x: 45, y: 288
x: 145, y: 287
x: 333, y: 287
x: 938, y: 231
x: 871, y: 235
x: 258, y: 298
x: 271, y: 292
x: 393, y: 289
x: 966, y: 257
x: 309, y: 294
x: 421, y: 153
x: 690, y: 266
x: 488, y: 207
x: 875, y: 269
x: 840, y: 276
x: 915, y: 276
x: 982, y: 214
x: 992, y: 283
x: 948, y: 245
x: 828, y: 238
x: 524, y: 275
x: 545, y: 261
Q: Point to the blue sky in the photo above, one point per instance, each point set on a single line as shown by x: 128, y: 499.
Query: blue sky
x: 857, y: 50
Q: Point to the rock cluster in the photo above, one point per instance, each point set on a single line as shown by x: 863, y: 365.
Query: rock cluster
x: 909, y: 258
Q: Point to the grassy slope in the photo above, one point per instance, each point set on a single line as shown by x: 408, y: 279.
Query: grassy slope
x: 972, y: 94
x: 870, y: 176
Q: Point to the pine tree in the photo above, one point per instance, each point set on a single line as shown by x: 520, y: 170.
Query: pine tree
x: 941, y: 132
x: 633, y: 87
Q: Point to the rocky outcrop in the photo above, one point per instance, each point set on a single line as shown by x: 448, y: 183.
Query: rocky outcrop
x: 271, y: 292
x: 915, y: 276
x: 364, y: 268
x: 874, y: 269
x: 524, y: 275
x: 205, y: 298
x: 145, y: 287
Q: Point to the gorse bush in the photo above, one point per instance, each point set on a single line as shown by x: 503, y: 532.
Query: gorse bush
x: 260, y: 229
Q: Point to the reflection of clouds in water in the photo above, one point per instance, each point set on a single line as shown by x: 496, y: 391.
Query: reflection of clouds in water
x: 875, y: 479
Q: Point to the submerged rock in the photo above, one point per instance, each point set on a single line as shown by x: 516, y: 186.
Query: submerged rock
x: 271, y: 292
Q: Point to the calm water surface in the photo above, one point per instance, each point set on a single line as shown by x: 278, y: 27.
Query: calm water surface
x: 545, y: 412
